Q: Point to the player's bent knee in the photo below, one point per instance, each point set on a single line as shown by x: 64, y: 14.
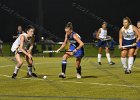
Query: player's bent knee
x: 65, y: 57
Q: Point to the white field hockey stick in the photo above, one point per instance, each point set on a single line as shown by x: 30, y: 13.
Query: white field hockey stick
x: 52, y: 51
x: 127, y: 46
x: 106, y: 39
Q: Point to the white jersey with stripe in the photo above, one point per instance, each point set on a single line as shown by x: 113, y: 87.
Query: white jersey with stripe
x: 16, y: 44
x: 128, y: 34
x: 103, y: 33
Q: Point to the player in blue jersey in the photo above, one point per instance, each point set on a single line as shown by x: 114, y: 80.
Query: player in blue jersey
x: 127, y: 36
x: 138, y: 44
x: 76, y: 48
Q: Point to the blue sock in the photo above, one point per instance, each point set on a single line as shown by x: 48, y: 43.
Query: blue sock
x: 64, y: 63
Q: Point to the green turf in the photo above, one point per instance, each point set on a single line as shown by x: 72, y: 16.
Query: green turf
x: 104, y: 82
x: 90, y: 51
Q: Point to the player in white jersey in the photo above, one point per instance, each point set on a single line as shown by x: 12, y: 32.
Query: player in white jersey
x: 127, y: 36
x: 138, y: 44
x: 103, y: 40
x: 20, y: 47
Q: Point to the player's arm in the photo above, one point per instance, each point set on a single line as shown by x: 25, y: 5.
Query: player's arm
x: 137, y: 33
x: 22, y: 38
x: 64, y: 43
x: 97, y: 35
x: 81, y: 44
x: 120, y: 38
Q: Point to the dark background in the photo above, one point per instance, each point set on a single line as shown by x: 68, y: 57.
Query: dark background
x: 52, y: 15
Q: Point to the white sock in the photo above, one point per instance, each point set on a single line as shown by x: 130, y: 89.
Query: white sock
x: 130, y: 62
x: 16, y: 70
x: 108, y: 57
x: 30, y: 70
x: 99, y: 57
x: 123, y: 60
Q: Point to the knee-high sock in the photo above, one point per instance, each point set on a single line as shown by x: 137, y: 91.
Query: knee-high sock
x: 123, y: 60
x: 30, y: 70
x: 16, y: 69
x: 99, y: 57
x: 64, y: 64
x: 108, y: 57
x: 130, y: 62
x: 79, y: 70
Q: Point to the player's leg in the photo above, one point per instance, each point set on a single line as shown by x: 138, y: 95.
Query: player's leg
x: 100, y: 55
x: 19, y: 64
x: 79, y: 54
x: 78, y: 67
x: 30, y: 67
x: 108, y: 56
x: 135, y: 53
x: 130, y: 59
x: 124, y: 59
x: 64, y: 64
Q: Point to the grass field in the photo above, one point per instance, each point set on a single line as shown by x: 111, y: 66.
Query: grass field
x: 104, y: 82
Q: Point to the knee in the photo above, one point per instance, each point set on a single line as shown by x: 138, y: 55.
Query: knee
x: 123, y: 55
x: 130, y: 55
x: 65, y: 57
x: 77, y: 64
x: 107, y: 50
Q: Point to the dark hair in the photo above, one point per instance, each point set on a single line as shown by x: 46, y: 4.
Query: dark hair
x: 29, y: 27
x: 128, y: 19
x: 69, y: 25
x: 138, y: 21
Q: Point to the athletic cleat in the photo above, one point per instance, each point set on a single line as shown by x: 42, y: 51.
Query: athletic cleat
x: 100, y: 63
x: 14, y: 75
x: 32, y: 75
x: 78, y: 76
x: 127, y: 71
x: 62, y: 75
x: 111, y: 63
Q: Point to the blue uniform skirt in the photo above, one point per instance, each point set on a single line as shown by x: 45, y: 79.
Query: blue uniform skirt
x: 128, y: 42
x: 79, y: 53
x: 102, y: 44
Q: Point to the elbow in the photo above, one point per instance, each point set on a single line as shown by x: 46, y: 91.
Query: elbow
x: 82, y: 44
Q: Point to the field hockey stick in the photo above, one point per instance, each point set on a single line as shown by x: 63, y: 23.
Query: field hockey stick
x: 53, y: 51
x: 33, y: 64
x: 105, y: 39
x: 127, y: 46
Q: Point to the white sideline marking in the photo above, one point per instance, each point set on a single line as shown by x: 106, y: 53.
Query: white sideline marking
x: 101, y: 84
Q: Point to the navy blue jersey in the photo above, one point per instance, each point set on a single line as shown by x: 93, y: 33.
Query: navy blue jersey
x: 74, y: 44
x: 72, y: 40
x: 19, y: 33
